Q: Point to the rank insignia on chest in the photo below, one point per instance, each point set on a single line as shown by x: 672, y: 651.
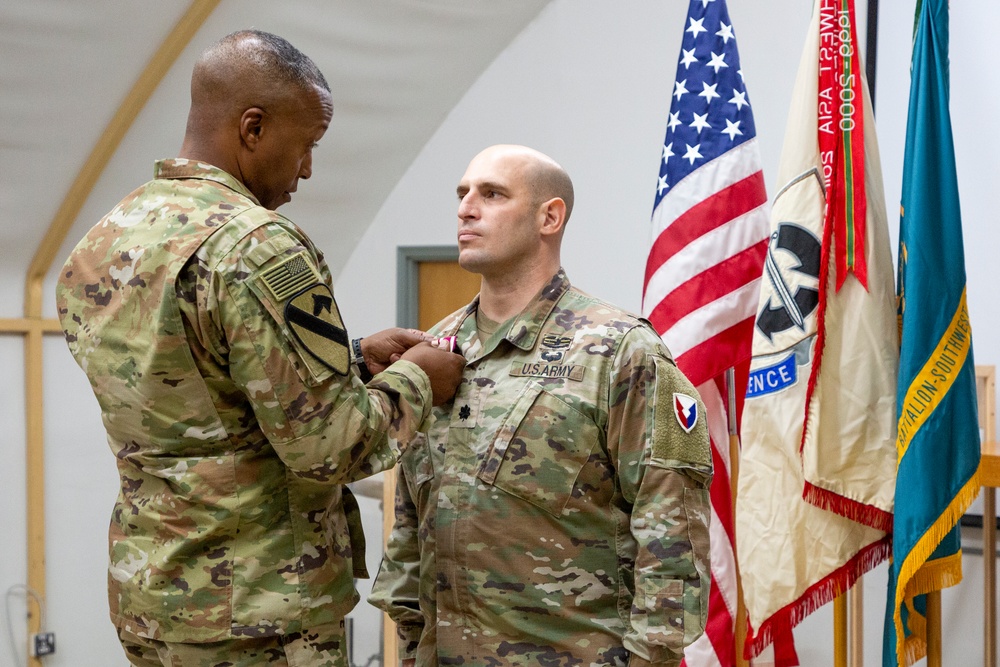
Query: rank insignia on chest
x: 468, y: 405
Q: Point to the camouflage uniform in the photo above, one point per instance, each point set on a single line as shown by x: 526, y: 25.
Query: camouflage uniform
x: 556, y: 513
x: 207, y: 326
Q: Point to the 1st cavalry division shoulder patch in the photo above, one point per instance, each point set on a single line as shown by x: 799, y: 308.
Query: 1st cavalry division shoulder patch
x: 310, y: 311
x: 314, y: 318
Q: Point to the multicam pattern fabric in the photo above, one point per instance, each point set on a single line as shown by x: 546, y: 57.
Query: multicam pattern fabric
x: 556, y: 513
x: 232, y: 440
x: 295, y: 649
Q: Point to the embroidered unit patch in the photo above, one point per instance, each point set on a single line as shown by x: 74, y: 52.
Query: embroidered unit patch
x: 314, y: 318
x: 686, y: 411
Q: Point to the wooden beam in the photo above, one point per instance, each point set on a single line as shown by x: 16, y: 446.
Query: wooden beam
x: 107, y: 144
x: 35, y: 482
x: 33, y: 325
x: 25, y: 325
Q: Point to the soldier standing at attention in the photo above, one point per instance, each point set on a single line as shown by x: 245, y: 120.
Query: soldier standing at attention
x: 207, y: 326
x: 557, y: 512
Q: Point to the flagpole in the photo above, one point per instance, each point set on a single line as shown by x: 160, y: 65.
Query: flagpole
x: 934, y: 629
x: 856, y: 629
x: 855, y: 608
x: 871, y: 48
x: 840, y: 630
x: 734, y: 474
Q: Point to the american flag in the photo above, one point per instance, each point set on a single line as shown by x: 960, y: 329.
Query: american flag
x: 710, y: 230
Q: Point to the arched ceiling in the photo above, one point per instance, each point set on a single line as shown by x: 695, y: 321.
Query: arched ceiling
x: 396, y: 68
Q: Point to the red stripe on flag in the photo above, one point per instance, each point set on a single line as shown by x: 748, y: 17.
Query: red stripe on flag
x: 719, y: 280
x: 719, y: 628
x: 713, y: 212
x: 711, y: 357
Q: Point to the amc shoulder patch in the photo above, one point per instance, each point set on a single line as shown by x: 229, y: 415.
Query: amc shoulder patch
x: 686, y: 411
x: 315, y: 321
x: 679, y: 431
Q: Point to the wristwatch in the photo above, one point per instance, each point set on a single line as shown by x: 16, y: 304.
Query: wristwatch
x: 358, y: 359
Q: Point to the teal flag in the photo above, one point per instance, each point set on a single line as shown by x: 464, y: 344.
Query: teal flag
x: 937, y: 445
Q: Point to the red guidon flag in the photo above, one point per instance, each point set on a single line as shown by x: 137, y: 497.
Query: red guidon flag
x: 842, y: 137
x: 815, y: 494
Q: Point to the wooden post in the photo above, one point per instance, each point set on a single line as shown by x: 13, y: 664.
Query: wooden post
x: 990, y: 577
x: 390, y: 646
x: 35, y: 482
x: 856, y: 619
x: 740, y: 634
x: 41, y: 262
x: 934, y: 629
x: 840, y: 630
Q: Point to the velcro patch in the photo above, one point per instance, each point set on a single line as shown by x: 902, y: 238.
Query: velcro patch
x: 679, y: 433
x: 289, y: 276
x: 314, y: 319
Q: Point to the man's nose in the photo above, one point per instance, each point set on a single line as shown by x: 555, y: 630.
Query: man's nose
x: 467, y: 206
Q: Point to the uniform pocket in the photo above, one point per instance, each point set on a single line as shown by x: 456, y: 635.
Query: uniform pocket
x: 662, y: 604
x: 417, y: 460
x: 540, y: 450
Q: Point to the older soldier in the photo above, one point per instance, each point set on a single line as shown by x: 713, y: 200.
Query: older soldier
x: 208, y: 328
x: 557, y: 512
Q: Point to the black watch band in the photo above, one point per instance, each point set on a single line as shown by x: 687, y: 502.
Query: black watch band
x: 359, y: 361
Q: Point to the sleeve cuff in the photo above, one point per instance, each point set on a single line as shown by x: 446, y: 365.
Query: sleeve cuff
x: 409, y: 640
x: 635, y: 661
x: 358, y: 360
x: 417, y: 378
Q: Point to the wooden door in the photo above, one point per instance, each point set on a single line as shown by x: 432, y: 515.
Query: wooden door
x: 442, y: 288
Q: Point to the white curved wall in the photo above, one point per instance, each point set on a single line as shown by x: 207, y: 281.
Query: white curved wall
x: 588, y: 82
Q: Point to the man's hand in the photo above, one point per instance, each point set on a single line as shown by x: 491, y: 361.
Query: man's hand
x: 442, y: 367
x: 385, y: 347
x: 409, y: 662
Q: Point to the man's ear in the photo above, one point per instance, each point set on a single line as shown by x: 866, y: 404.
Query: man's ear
x: 554, y: 216
x: 252, y: 127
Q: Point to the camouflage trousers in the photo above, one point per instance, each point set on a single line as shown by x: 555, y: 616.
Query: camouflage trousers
x: 294, y: 650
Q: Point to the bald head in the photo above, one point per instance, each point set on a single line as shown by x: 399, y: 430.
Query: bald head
x: 245, y: 69
x: 545, y: 177
x: 258, y: 108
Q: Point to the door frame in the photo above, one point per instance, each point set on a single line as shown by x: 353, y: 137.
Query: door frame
x: 408, y: 259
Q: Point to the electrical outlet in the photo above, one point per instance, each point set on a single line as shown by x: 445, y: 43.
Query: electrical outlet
x: 42, y: 644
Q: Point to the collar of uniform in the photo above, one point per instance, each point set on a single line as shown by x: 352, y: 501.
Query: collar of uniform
x: 184, y: 168
x: 525, y: 329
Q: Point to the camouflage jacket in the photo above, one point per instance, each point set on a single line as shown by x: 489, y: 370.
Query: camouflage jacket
x: 557, y: 511
x: 207, y: 327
